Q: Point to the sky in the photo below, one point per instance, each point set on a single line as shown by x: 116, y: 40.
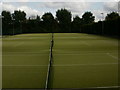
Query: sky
x: 78, y: 7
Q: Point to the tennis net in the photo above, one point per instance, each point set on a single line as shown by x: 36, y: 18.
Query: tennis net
x: 50, y: 64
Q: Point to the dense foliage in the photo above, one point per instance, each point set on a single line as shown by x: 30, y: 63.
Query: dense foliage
x: 17, y: 23
x: 64, y: 19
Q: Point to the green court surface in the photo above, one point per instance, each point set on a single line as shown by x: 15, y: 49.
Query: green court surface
x: 25, y: 60
x: 79, y: 61
x: 84, y: 61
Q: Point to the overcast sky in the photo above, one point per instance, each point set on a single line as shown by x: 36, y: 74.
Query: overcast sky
x: 77, y: 7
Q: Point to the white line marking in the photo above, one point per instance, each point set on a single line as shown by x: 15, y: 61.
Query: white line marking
x: 91, y: 51
x: 61, y: 65
x: 80, y: 37
x: 26, y: 55
x: 79, y: 53
x: 25, y: 65
x: 112, y: 56
x: 88, y: 64
x: 82, y: 53
x: 67, y: 37
x: 25, y: 38
x: 86, y: 43
x: 27, y: 52
x: 104, y: 87
x: 19, y: 44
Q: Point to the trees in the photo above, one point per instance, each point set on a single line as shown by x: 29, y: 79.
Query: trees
x: 111, y: 16
x: 12, y: 23
x: 48, y: 21
x: 48, y: 17
x: 7, y: 17
x: 38, y: 18
x: 88, y: 18
x: 17, y: 23
x: 76, y: 24
x: 19, y: 15
x: 64, y: 19
x: 111, y: 28
x: 6, y: 22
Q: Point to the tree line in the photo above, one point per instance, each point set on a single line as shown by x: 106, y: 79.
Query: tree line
x: 18, y: 23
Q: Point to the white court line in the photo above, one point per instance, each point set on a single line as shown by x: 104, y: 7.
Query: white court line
x: 26, y: 38
x: 112, y: 56
x: 93, y: 38
x: 24, y: 55
x: 25, y: 65
x: 78, y: 37
x: 62, y: 65
x: 36, y: 54
x: 19, y: 44
x: 68, y: 37
x: 103, y: 87
x: 88, y: 51
x: 85, y: 43
x: 25, y: 52
x: 77, y: 53
x: 88, y: 64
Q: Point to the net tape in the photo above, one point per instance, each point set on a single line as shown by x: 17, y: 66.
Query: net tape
x: 50, y: 63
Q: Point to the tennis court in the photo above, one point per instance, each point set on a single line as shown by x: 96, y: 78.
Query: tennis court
x: 79, y: 61
x: 84, y: 61
x: 25, y: 60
